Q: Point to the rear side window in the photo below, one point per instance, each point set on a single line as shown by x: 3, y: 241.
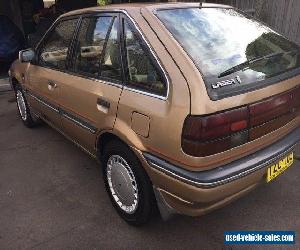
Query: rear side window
x: 55, y: 48
x: 97, y: 50
x: 142, y: 73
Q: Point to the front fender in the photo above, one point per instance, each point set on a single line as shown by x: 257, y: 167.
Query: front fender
x: 18, y: 71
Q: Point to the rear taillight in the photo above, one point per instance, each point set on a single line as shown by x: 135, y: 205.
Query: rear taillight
x: 216, y: 126
x: 207, y: 135
x: 296, y: 98
x: 211, y: 134
x: 269, y: 109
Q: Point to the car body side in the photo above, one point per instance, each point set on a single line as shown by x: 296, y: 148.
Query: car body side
x: 154, y: 125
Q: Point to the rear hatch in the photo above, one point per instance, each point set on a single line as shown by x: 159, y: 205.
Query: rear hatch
x: 234, y: 53
x: 247, y: 69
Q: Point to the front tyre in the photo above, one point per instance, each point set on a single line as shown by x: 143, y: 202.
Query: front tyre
x: 23, y: 108
x: 127, y: 184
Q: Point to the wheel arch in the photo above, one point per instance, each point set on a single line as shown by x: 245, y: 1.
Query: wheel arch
x: 102, y: 141
x: 14, y: 83
x: 107, y: 136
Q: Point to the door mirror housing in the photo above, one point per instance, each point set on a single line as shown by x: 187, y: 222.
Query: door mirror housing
x: 26, y: 55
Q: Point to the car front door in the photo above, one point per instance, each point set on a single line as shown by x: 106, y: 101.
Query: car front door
x: 48, y: 70
x: 91, y: 94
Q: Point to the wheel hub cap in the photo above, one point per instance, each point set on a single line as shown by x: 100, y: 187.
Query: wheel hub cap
x: 21, y: 105
x: 122, y: 184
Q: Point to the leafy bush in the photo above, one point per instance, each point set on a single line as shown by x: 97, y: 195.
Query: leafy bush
x: 103, y: 2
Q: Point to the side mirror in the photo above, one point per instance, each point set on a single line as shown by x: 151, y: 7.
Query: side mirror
x: 26, y: 55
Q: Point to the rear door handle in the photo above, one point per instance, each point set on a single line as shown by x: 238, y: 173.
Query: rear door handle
x: 103, y: 103
x: 52, y: 85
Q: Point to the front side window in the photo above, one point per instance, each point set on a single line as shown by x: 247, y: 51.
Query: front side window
x: 226, y: 44
x: 97, y: 50
x: 54, y: 50
x: 142, y: 73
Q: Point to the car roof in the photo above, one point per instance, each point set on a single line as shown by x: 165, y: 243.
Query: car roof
x: 152, y: 6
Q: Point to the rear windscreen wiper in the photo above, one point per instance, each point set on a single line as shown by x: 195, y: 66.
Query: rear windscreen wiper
x: 254, y: 60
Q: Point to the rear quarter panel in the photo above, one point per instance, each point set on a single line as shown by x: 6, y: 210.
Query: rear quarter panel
x: 166, y: 116
x: 201, y: 104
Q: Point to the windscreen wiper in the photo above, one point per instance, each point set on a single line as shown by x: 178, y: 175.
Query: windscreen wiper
x: 254, y: 60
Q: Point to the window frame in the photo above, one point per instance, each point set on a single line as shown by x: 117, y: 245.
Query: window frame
x: 149, y: 53
x: 110, y: 81
x: 46, y: 36
x: 122, y: 14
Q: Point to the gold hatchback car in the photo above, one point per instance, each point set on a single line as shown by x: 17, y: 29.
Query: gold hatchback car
x: 187, y: 106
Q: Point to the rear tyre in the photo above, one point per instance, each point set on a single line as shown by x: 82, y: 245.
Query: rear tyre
x: 24, y: 110
x: 127, y: 184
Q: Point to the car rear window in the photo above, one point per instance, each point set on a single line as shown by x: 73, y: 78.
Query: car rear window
x: 234, y: 52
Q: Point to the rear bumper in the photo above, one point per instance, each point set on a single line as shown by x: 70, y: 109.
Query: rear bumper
x: 195, y: 193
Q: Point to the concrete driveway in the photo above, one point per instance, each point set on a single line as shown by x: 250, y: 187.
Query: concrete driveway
x: 52, y: 197
x: 4, y: 84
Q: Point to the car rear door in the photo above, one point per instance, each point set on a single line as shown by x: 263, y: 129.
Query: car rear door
x: 49, y: 70
x: 91, y: 94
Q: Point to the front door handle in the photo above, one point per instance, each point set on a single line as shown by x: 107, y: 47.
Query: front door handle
x: 51, y: 85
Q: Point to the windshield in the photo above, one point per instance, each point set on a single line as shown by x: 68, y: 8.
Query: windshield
x: 218, y: 39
